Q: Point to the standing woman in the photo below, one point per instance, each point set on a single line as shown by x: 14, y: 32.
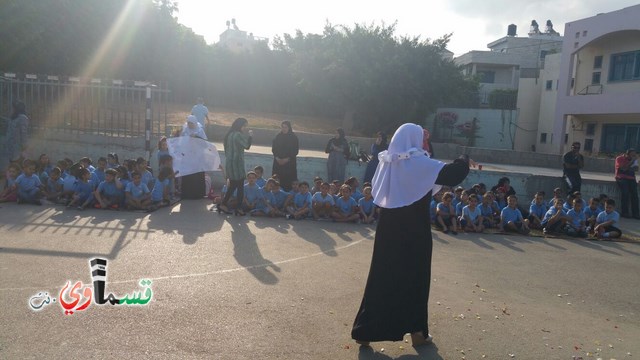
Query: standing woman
x: 285, y: 149
x: 376, y: 148
x: 17, y: 132
x: 338, y: 150
x: 397, y: 290
x: 235, y: 142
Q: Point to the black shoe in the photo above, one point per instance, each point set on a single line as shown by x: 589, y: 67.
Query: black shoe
x: 225, y: 210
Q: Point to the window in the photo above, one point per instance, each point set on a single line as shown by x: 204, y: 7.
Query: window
x: 584, y: 33
x: 588, y: 145
x: 566, y: 139
x: 618, y: 138
x: 597, y: 62
x: 595, y: 78
x: 625, y: 66
x: 543, y: 138
x: 543, y: 53
x: 549, y: 85
x: 487, y: 77
x: 591, y: 129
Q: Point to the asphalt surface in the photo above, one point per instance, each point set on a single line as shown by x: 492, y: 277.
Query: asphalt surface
x: 228, y: 287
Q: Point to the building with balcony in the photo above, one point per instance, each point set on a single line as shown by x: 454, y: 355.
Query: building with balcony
x: 238, y: 41
x: 510, y: 58
x: 598, y: 92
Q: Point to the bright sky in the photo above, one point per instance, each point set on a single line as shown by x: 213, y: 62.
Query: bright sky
x: 474, y: 23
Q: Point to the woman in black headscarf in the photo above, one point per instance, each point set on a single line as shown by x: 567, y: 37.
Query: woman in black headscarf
x: 285, y: 149
x: 338, y: 150
x: 377, y: 147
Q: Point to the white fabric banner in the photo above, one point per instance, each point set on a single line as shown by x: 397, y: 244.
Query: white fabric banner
x: 193, y: 155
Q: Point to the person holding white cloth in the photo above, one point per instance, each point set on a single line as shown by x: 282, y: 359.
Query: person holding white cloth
x: 193, y: 128
x: 397, y: 290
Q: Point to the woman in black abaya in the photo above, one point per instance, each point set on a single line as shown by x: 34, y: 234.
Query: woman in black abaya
x: 285, y: 149
x: 397, y: 290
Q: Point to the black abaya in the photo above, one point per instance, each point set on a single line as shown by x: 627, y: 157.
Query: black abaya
x: 285, y: 146
x: 397, y: 291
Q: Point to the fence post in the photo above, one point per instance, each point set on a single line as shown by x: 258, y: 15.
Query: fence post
x: 147, y: 125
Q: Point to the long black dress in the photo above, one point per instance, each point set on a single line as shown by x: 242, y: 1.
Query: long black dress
x: 285, y: 146
x: 397, y: 291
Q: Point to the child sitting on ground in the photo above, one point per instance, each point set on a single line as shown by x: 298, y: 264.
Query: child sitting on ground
x: 346, y: 207
x: 147, y: 176
x: 10, y: 192
x: 446, y: 215
x: 353, y: 184
x: 109, y: 193
x: 568, y: 205
x: 433, y: 208
x: 266, y: 199
x: 605, y: 223
x: 557, y: 194
x: 472, y: 216
x: 500, y: 199
x: 537, y: 209
x: 301, y: 205
x: 367, y: 207
x: 486, y: 210
x: 138, y: 196
x: 252, y: 193
x: 511, y: 218
x: 28, y: 185
x: 83, y: 190
x: 317, y: 184
x: 279, y: 199
x: 53, y: 187
x: 576, y: 220
x: 99, y: 174
x: 591, y: 213
x: 259, y: 171
x: 322, y: 203
x: 555, y: 218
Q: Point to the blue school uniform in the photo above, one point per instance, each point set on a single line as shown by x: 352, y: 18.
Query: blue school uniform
x: 346, y: 206
x: 367, y: 206
x: 549, y: 214
x: 577, y: 219
x: 591, y: 213
x: 433, y: 206
x: 538, y: 210
x: 157, y: 194
x: 302, y: 200
x: 604, y: 217
x: 252, y: 193
x: 148, y: 179
x: 69, y: 183
x: 266, y: 199
x: 317, y: 197
x: 137, y: 191
x: 28, y: 186
x: 109, y: 190
x: 98, y: 176
x: 511, y: 215
x: 357, y: 195
x: 472, y: 214
x: 261, y: 182
x: 501, y: 204
x: 84, y: 191
x: 459, y: 208
x: 280, y: 197
x: 443, y: 209
x: 54, y: 186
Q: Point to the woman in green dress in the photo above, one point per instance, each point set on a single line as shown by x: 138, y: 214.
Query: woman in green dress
x: 235, y: 142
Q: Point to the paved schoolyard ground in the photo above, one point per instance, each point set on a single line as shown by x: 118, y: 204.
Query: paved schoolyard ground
x: 226, y: 287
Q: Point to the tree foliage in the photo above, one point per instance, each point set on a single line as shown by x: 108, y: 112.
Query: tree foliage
x: 365, y: 72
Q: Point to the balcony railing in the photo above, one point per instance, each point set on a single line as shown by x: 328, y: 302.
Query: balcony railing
x: 595, y: 89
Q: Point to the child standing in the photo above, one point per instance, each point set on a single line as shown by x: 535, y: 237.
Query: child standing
x: 137, y: 194
x: 28, y: 185
x: 576, y: 220
x: 322, y: 202
x: 555, y: 218
x: 446, y: 215
x: 367, y: 207
x: 537, y: 211
x: 511, y: 218
x: 109, y: 193
x: 346, y: 207
x: 301, y: 204
x: 160, y: 192
x: 472, y: 215
x: 605, y: 223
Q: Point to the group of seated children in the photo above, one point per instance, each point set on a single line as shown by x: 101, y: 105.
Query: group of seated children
x: 476, y: 209
x: 324, y: 201
x: 109, y: 185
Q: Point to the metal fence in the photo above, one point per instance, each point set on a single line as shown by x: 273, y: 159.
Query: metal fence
x: 80, y: 105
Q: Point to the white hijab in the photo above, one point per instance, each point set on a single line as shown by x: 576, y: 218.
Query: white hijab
x: 405, y: 173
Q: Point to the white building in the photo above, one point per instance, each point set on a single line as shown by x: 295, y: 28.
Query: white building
x: 237, y: 40
x: 598, y: 92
